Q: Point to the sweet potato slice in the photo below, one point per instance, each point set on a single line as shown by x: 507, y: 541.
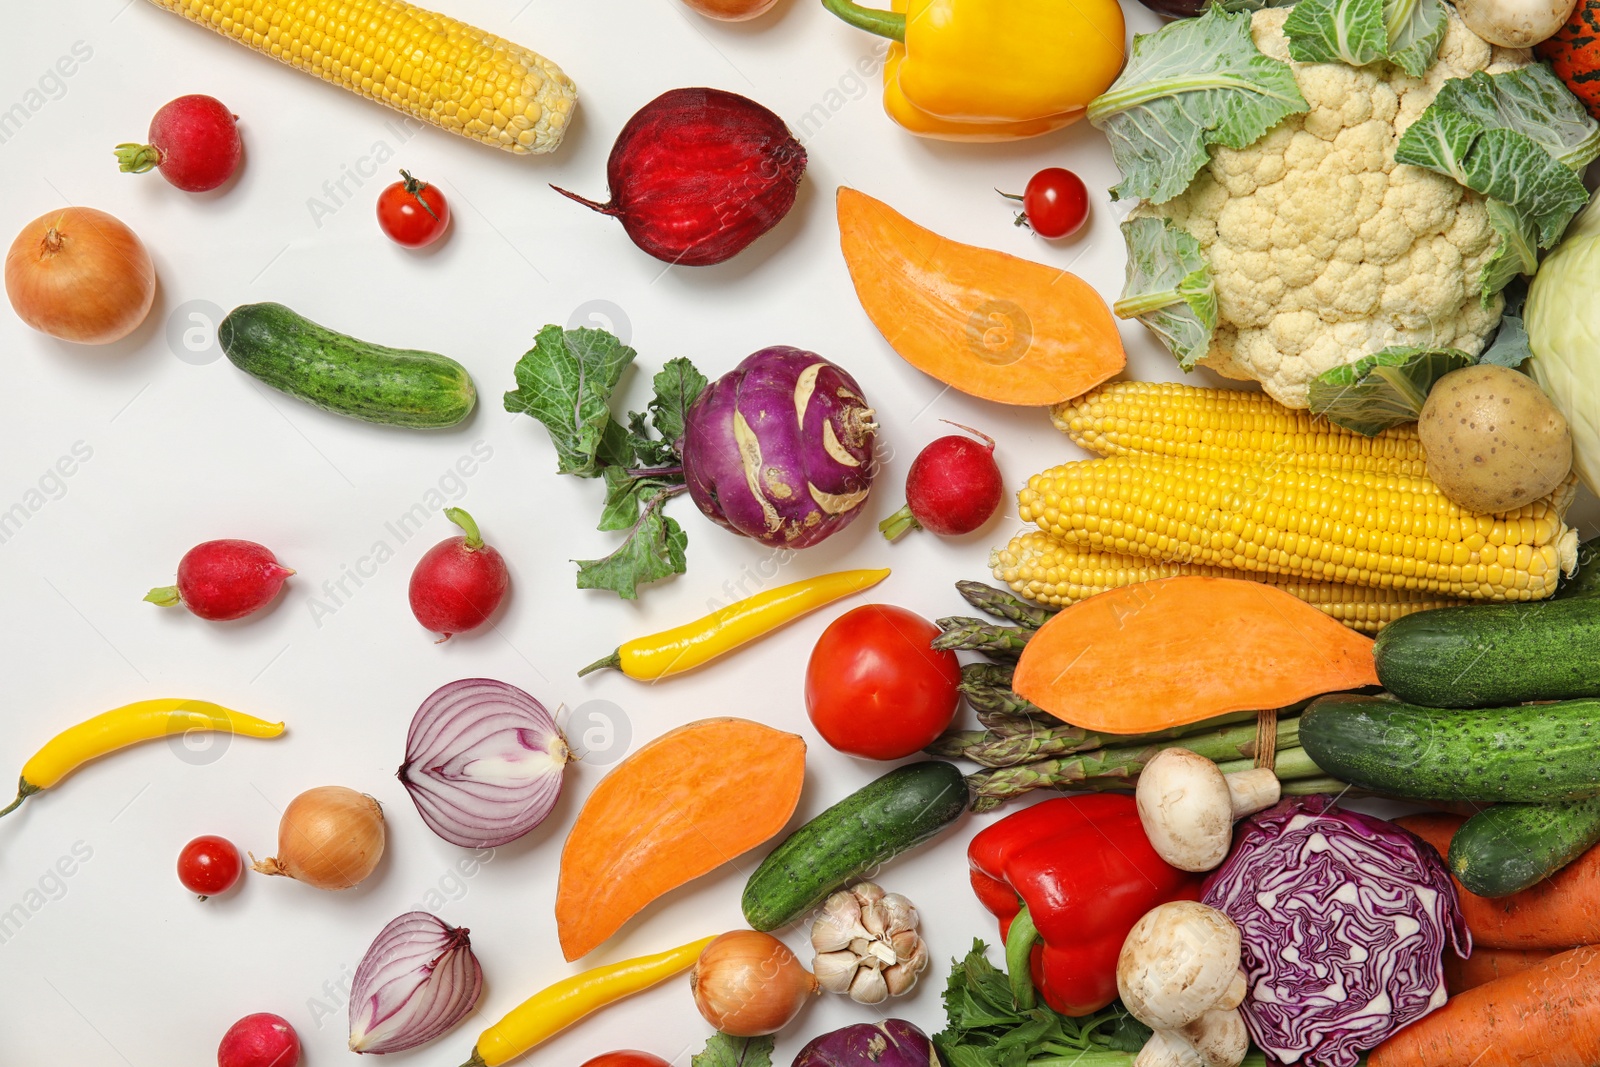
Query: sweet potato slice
x: 1166, y: 653
x: 680, y: 807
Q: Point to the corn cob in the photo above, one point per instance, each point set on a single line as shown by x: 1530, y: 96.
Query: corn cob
x: 429, y: 66
x: 1227, y: 426
x: 1058, y: 573
x: 1357, y: 528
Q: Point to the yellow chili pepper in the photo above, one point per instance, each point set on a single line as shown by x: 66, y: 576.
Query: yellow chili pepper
x: 552, y: 1010
x: 144, y: 720
x: 686, y: 647
x: 993, y: 70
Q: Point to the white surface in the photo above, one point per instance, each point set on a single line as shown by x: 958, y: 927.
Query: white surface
x: 116, y: 964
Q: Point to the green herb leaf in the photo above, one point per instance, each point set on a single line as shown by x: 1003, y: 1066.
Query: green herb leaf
x: 565, y: 381
x: 1384, y: 389
x: 1358, y: 32
x: 653, y: 549
x: 1169, y: 287
x: 677, y: 385
x: 1516, y: 254
x: 725, y: 1051
x: 1189, y: 85
x: 1510, y: 347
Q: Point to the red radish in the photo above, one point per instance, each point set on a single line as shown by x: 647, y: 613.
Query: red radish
x: 260, y: 1040
x: 698, y: 174
x: 223, y: 580
x: 459, y: 582
x: 194, y: 140
x: 953, y: 487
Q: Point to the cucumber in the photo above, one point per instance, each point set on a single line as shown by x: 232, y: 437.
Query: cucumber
x: 1534, y: 753
x: 1586, y: 582
x: 871, y: 826
x: 340, y: 374
x: 1493, y: 654
x: 1511, y: 847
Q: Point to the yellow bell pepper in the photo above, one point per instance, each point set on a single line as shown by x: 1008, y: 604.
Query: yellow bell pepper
x: 144, y: 720
x: 993, y: 70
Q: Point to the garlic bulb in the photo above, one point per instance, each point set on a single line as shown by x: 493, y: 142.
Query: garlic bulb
x: 867, y: 944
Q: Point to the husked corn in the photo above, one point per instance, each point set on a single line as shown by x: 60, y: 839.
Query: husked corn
x: 427, y: 65
x: 1057, y: 573
x: 1356, y: 528
x: 1227, y: 426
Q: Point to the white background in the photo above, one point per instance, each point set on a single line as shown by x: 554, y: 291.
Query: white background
x: 118, y: 965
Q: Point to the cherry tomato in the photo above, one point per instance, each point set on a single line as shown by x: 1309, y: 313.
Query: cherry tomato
x: 627, y: 1058
x: 209, y: 865
x: 874, y: 688
x: 1055, y: 204
x: 412, y: 212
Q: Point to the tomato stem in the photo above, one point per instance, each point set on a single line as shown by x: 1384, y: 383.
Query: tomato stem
x: 415, y: 187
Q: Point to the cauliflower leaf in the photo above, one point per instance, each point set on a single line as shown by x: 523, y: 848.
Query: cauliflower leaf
x: 1359, y: 32
x: 1192, y: 84
x: 1384, y: 389
x: 1169, y: 287
x: 1516, y: 254
x: 1510, y: 347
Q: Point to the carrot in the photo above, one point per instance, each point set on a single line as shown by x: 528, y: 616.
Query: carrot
x: 680, y: 807
x: 1559, y: 912
x: 1160, y: 654
x: 1545, y: 1016
x: 1487, y: 964
x: 992, y: 325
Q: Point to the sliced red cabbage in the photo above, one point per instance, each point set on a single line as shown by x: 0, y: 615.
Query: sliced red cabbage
x: 1345, y: 919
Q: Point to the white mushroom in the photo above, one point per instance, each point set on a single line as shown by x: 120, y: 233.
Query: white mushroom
x: 867, y: 944
x: 1515, y: 23
x: 1179, y: 974
x: 1188, y: 806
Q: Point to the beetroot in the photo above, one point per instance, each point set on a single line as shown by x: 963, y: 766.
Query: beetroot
x: 223, y: 580
x: 698, y: 174
x: 953, y: 487
x: 194, y: 140
x: 459, y: 582
x: 260, y: 1040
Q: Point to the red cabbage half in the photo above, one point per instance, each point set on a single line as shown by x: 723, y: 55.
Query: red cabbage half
x: 1345, y: 919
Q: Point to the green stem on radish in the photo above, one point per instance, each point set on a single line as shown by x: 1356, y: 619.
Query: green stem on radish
x: 137, y: 158
x: 468, y: 526
x: 899, y: 524
x: 165, y: 595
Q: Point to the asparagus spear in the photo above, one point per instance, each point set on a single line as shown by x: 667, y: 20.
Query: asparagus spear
x: 963, y: 633
x: 1002, y: 604
x: 1221, y: 738
x: 994, y: 675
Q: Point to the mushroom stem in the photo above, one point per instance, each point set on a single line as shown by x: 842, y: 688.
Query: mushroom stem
x: 1252, y: 791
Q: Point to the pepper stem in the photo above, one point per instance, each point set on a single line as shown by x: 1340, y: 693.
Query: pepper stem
x: 1019, y: 958
x: 476, y: 1061
x: 611, y: 662
x: 890, y: 24
x: 165, y: 595
x: 25, y: 789
x: 468, y: 526
x: 898, y: 524
x: 137, y: 158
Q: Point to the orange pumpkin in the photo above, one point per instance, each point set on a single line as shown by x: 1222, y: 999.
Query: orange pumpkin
x: 1574, y: 52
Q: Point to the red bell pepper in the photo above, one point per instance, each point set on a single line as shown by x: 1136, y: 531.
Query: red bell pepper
x: 1075, y: 874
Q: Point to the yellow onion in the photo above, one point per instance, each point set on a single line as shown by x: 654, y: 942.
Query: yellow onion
x: 329, y: 838
x: 747, y: 984
x: 80, y: 275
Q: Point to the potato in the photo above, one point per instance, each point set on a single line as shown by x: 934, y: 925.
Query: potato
x: 1494, y: 441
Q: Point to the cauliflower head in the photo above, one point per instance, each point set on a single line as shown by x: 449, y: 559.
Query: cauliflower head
x: 1322, y: 248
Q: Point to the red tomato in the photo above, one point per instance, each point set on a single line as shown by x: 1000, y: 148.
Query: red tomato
x: 412, y: 212
x: 1056, y: 203
x: 627, y: 1058
x: 874, y: 688
x: 209, y: 865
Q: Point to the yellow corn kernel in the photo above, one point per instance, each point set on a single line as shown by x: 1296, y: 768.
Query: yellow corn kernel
x: 1058, y: 573
x: 1358, y: 528
x: 426, y: 65
x: 1227, y: 426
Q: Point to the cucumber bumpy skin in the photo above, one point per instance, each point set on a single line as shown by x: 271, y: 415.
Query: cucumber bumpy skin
x: 338, y: 373
x: 1511, y: 847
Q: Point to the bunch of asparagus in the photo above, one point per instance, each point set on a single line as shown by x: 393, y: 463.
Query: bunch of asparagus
x: 1023, y: 748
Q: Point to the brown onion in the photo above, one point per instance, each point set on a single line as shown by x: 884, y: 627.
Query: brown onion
x: 329, y: 838
x: 747, y: 984
x: 80, y: 275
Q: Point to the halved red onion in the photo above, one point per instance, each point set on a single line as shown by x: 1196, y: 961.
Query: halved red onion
x: 483, y: 762
x: 417, y: 980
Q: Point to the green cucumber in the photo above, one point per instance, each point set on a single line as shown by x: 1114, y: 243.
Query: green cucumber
x: 871, y: 826
x: 1486, y: 655
x: 1586, y: 582
x: 340, y: 374
x: 1511, y: 847
x: 1535, y: 753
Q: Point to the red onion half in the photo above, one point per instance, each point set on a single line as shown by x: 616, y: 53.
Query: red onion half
x: 417, y: 980
x: 483, y: 762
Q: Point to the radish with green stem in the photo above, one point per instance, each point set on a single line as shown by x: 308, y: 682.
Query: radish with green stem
x: 954, y: 486
x: 224, y: 580
x: 460, y: 582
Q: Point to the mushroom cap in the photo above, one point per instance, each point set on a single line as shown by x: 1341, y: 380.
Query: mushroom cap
x: 1179, y: 962
x: 1186, y: 809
